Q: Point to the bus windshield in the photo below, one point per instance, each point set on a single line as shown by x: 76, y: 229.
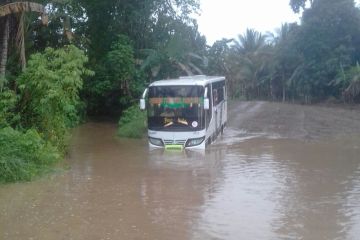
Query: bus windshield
x: 176, y: 108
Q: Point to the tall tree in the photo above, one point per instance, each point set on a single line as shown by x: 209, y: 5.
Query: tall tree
x: 164, y: 40
x: 297, y: 5
x: 328, y: 40
x: 4, y: 50
x: 217, y: 55
x: 250, y: 53
x: 286, y: 60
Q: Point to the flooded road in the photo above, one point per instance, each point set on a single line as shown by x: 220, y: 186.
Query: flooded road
x: 243, y: 187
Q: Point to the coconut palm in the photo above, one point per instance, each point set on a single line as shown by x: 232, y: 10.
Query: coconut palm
x: 250, y: 42
x: 285, y: 64
x: 12, y: 24
x: 249, y: 53
x: 177, y: 54
x: 289, y: 64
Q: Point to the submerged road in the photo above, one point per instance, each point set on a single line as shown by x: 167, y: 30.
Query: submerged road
x: 279, y: 172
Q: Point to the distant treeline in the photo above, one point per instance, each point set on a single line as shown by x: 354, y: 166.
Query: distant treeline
x: 315, y: 60
x: 130, y: 43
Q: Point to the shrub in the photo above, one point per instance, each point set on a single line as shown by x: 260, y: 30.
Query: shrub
x: 44, y: 108
x: 24, y: 155
x: 50, y: 92
x: 8, y: 116
x: 132, y: 123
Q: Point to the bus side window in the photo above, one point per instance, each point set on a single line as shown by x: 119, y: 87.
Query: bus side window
x: 224, y: 91
x: 221, y: 93
x: 215, y: 96
x: 218, y: 92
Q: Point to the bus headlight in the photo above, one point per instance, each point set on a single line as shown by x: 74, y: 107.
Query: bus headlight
x: 194, y: 141
x: 156, y: 142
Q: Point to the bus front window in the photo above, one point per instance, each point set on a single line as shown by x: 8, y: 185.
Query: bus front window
x: 176, y: 108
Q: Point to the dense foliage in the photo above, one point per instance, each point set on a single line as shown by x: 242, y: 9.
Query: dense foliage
x: 49, y: 90
x: 35, y: 120
x: 24, y: 155
x: 8, y: 114
x: 128, y: 43
x: 131, y: 43
x: 115, y: 84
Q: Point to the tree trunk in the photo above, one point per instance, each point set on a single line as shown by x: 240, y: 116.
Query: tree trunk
x: 4, y: 52
x: 283, y: 87
x: 283, y: 93
x: 21, y: 41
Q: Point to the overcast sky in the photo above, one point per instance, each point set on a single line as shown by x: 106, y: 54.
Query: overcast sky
x: 229, y: 18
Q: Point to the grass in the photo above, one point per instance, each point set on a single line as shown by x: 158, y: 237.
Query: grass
x: 24, y: 155
x: 132, y: 123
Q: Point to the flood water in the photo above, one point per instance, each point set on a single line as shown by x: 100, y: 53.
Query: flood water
x: 242, y: 187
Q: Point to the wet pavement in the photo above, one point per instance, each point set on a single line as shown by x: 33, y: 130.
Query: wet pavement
x: 245, y: 186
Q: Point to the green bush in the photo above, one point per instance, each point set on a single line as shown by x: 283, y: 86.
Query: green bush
x: 49, y: 91
x: 24, y: 155
x: 44, y: 106
x: 8, y: 101
x: 132, y: 123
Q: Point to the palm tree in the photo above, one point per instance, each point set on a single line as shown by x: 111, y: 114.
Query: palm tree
x: 281, y: 38
x: 250, y: 42
x: 249, y: 53
x: 288, y: 63
x: 15, y: 10
x: 175, y: 53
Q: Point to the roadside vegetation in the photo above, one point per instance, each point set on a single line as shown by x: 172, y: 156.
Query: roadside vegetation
x: 132, y: 123
x: 35, y: 117
x: 63, y: 60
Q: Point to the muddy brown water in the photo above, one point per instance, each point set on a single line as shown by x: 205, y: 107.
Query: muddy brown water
x: 242, y: 187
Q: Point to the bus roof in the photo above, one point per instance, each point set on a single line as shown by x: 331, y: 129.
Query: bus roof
x: 198, y: 80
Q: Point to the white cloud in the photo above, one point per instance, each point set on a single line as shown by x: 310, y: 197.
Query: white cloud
x: 229, y: 18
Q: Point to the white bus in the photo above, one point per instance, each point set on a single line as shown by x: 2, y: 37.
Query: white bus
x: 188, y: 112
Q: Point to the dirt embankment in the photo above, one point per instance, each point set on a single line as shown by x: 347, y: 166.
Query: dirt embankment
x: 294, y: 121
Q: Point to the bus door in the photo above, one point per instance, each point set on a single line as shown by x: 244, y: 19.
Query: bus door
x: 219, y: 105
x: 216, y: 109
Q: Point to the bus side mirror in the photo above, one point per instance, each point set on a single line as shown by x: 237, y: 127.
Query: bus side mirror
x: 142, y: 104
x: 206, y: 104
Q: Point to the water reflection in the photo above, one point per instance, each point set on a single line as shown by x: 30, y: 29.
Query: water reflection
x: 243, y: 206
x: 313, y: 207
x: 352, y: 206
x: 246, y: 187
x: 281, y: 189
x: 175, y: 185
